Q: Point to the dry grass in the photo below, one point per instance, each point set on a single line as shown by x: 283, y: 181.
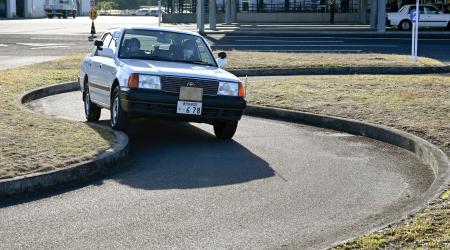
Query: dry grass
x: 418, y: 104
x: 32, y: 143
x: 273, y: 60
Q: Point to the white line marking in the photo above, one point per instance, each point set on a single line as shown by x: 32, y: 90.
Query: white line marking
x: 306, y: 45
x: 51, y: 47
x: 3, y: 45
x: 43, y: 44
x: 289, y: 41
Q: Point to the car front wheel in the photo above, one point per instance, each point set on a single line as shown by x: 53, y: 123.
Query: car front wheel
x: 91, y: 110
x: 225, y: 130
x: 119, y: 118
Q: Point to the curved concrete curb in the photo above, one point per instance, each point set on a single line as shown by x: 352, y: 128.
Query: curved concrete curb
x: 427, y: 152
x: 78, y: 171
x: 343, y: 71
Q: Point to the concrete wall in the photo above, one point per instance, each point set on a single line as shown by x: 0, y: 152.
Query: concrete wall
x: 270, y: 18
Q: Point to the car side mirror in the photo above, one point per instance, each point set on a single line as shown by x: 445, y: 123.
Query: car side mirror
x: 98, y: 44
x: 222, y: 60
x: 106, y: 52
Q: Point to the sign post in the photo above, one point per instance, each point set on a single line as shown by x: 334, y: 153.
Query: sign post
x: 93, y: 15
x: 159, y: 13
x: 414, y: 17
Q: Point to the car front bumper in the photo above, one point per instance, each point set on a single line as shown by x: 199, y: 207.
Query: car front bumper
x: 159, y: 104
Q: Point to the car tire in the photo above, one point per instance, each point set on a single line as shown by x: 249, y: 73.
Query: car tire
x: 91, y: 110
x: 119, y: 118
x: 225, y: 130
x: 405, y: 25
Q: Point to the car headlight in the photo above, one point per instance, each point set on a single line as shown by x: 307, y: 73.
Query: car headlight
x: 144, y: 81
x: 228, y: 88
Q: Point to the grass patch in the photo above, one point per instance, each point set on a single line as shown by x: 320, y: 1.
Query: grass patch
x: 418, y: 104
x: 276, y: 60
x: 31, y: 143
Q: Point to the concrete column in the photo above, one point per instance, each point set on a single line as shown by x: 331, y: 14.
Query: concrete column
x: 227, y: 11
x: 201, y: 16
x: 10, y: 8
x: 27, y: 8
x: 381, y: 25
x: 373, y: 14
x: 233, y: 10
x: 212, y: 14
x: 363, y: 12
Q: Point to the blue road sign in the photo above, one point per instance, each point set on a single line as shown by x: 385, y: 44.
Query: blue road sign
x: 413, y: 16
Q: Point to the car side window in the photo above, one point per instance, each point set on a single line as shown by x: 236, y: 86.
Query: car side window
x: 413, y: 8
x: 113, y: 44
x: 107, y: 40
x: 431, y: 10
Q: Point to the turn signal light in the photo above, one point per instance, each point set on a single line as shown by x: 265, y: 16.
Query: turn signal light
x: 133, y: 81
x: 241, y: 92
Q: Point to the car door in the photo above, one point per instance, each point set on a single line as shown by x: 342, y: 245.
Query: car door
x: 108, y: 70
x: 98, y: 86
x: 435, y: 18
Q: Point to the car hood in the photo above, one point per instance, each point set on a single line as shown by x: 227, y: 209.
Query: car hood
x: 177, y: 69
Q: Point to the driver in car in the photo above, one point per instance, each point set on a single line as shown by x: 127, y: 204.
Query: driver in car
x: 132, y: 47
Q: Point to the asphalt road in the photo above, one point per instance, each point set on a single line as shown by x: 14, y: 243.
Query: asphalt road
x: 276, y: 185
x: 29, y: 41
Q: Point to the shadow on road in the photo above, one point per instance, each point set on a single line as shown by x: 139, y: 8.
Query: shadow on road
x: 172, y: 155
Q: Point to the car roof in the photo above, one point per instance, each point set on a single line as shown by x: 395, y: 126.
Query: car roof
x: 153, y: 28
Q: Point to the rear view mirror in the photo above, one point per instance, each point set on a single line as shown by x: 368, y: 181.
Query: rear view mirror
x: 222, y: 60
x: 98, y: 43
x: 106, y: 52
x: 163, y: 40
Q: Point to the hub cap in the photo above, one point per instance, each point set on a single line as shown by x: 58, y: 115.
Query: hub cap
x: 115, y: 110
x: 87, y: 103
x: 405, y: 25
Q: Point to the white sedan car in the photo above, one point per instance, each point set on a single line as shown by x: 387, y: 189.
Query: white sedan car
x: 429, y: 16
x: 160, y: 73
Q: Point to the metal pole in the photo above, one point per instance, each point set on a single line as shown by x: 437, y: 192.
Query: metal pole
x: 417, y: 31
x: 159, y: 13
x: 413, y: 41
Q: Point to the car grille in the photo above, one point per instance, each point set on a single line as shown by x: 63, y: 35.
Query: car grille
x: 173, y: 84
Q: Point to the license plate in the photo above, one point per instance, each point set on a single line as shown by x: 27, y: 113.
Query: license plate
x: 189, y: 108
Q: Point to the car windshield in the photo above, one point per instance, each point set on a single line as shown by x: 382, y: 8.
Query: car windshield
x: 165, y: 46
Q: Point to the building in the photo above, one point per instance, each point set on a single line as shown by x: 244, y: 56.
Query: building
x: 33, y: 8
x: 287, y: 11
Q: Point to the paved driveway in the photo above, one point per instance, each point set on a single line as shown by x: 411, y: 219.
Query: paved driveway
x: 275, y: 185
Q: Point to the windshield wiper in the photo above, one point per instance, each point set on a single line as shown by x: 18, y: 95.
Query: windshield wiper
x: 195, y: 62
x: 147, y: 58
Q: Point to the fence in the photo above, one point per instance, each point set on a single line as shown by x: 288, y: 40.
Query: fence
x: 306, y: 6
